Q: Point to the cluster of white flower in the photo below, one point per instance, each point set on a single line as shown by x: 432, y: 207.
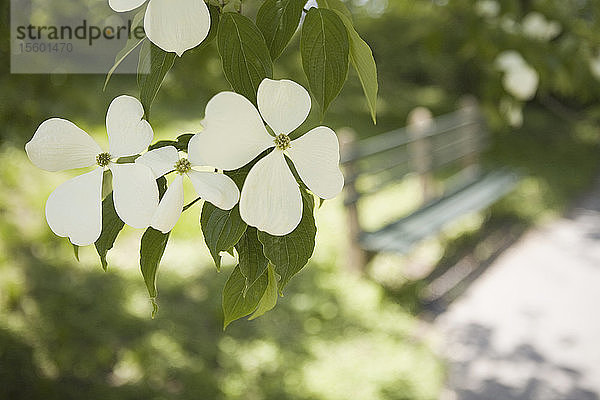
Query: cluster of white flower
x: 520, y: 79
x: 536, y: 26
x: 234, y: 134
x: 74, y: 209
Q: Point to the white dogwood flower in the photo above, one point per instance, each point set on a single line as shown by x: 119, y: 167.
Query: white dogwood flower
x: 234, y: 134
x: 536, y: 26
x: 509, y: 59
x: 521, y: 82
x: 213, y: 187
x: 520, y: 79
x: 74, y: 209
x: 174, y: 26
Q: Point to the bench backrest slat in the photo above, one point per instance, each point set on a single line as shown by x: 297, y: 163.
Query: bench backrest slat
x: 391, y: 140
x: 428, y: 145
x: 442, y: 154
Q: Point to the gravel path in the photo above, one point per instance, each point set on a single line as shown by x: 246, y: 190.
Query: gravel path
x: 529, y: 328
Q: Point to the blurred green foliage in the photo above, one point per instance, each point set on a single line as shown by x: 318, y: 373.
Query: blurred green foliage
x: 429, y: 53
x: 69, y: 330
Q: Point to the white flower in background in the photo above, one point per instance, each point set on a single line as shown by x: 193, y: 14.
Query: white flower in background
x: 74, y: 209
x: 520, y: 79
x: 521, y: 82
x: 509, y: 25
x: 174, y: 26
x: 536, y: 26
x: 213, y: 187
x: 509, y: 59
x: 487, y: 8
x: 595, y: 66
x: 234, y: 134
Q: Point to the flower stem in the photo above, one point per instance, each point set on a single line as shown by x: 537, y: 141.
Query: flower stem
x: 192, y: 203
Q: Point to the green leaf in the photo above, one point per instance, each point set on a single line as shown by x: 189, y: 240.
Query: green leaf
x: 183, y: 141
x: 244, y: 54
x: 239, y: 175
x: 76, y: 251
x: 126, y: 160
x: 130, y: 46
x: 290, y: 253
x: 252, y: 261
x: 215, y: 17
x: 222, y: 229
x: 152, y: 249
x: 324, y: 48
x: 362, y: 59
x: 336, y: 5
x: 162, y: 186
x: 232, y: 6
x: 106, y: 183
x: 153, y: 66
x: 269, y: 298
x: 180, y: 144
x: 111, y: 226
x: 278, y: 21
x: 239, y: 300
x: 361, y: 55
x: 162, y: 143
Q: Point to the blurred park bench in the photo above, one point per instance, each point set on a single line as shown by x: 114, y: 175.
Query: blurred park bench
x: 444, y: 153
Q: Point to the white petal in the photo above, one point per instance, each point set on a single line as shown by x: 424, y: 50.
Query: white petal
x: 176, y: 26
x: 160, y: 161
x: 74, y: 209
x: 509, y: 59
x: 271, y: 199
x: 170, y: 207
x: 233, y: 134
x: 536, y: 26
x: 128, y: 133
x: 59, y: 144
x: 217, y: 189
x: 316, y: 156
x: 125, y: 5
x: 135, y: 194
x: 283, y: 104
x: 521, y: 82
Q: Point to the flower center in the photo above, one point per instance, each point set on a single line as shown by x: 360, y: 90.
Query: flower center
x: 183, y: 166
x: 103, y: 159
x: 282, y: 141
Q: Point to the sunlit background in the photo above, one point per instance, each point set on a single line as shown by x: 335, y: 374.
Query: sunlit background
x: 68, y: 330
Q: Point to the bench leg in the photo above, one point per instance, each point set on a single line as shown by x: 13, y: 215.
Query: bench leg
x: 355, y: 256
